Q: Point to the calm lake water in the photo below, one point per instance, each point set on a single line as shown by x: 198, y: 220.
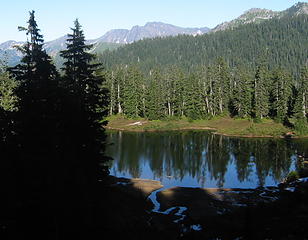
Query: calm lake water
x: 202, y: 159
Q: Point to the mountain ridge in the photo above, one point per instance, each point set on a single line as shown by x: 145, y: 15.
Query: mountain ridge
x: 257, y: 15
x: 149, y: 30
x: 117, y: 37
x: 107, y: 41
x: 281, y: 41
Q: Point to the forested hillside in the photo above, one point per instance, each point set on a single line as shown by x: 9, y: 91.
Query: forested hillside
x: 209, y: 91
x: 254, y: 71
x: 283, y: 40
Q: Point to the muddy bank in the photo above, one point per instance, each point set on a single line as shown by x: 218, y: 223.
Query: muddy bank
x: 135, y: 186
x: 196, y: 213
x: 202, y: 202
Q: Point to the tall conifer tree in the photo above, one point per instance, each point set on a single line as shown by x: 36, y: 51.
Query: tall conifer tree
x: 87, y: 98
x: 281, y: 93
x: 301, y: 102
x: 37, y: 91
x: 133, y: 92
x: 260, y: 102
x: 192, y: 98
x: 155, y: 98
x: 242, y: 93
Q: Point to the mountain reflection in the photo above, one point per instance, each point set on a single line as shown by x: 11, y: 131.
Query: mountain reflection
x: 201, y: 158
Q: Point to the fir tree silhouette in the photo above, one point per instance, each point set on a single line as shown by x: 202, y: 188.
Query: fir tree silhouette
x: 59, y: 139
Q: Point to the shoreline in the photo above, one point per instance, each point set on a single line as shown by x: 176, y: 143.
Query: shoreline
x: 214, y: 131
x: 204, y: 211
x: 225, y: 126
x: 160, y: 130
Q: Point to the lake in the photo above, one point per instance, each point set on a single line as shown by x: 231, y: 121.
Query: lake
x: 202, y: 159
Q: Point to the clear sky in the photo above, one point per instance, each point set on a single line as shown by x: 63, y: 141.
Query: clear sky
x: 55, y: 17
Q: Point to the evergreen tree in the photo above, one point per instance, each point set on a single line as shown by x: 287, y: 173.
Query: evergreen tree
x: 155, y: 105
x: 173, y: 89
x: 281, y: 93
x: 111, y: 84
x: 242, y: 93
x: 86, y: 102
x: 8, y: 99
x: 115, y: 84
x: 219, y: 87
x: 132, y: 92
x: 83, y: 139
x: 260, y: 102
x: 175, y: 78
x: 37, y: 165
x: 8, y: 103
x: 79, y: 77
x: 192, y: 98
x: 301, y: 102
x: 59, y: 138
x: 207, y: 90
x: 38, y: 80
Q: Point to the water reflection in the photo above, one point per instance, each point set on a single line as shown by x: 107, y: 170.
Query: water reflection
x: 195, y: 158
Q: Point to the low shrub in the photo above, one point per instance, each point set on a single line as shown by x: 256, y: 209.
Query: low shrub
x: 292, y: 176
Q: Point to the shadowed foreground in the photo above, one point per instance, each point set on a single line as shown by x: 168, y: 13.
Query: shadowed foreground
x: 209, y: 213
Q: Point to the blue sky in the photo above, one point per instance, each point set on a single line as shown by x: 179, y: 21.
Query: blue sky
x: 98, y: 16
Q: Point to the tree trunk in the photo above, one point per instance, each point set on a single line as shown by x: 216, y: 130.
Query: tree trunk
x: 169, y: 108
x: 304, y: 104
x: 112, y: 96
x: 119, y: 102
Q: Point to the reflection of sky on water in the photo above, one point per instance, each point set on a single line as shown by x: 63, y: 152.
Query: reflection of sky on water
x: 134, y: 160
x: 231, y: 181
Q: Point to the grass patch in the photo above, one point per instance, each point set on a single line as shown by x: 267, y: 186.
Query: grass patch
x: 223, y: 125
x: 301, y: 127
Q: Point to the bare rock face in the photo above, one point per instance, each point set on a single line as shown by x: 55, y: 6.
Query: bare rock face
x: 149, y: 30
x: 258, y: 15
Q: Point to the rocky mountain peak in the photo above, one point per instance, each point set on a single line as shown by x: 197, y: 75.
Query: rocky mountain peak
x: 257, y: 15
x: 149, y: 30
x: 298, y: 8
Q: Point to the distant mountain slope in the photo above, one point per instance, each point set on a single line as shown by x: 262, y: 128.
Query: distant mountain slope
x: 283, y: 40
x: 98, y: 48
x: 297, y: 9
x: 149, y: 30
x: 111, y: 40
x: 12, y: 56
x: 115, y: 38
x: 101, y: 47
x: 257, y: 15
x: 55, y: 46
x: 8, y: 53
x: 254, y: 15
x: 9, y: 45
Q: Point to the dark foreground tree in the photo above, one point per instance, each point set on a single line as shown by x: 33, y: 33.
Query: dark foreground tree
x: 36, y: 140
x: 86, y: 98
x: 38, y: 84
x: 59, y: 139
x: 84, y: 106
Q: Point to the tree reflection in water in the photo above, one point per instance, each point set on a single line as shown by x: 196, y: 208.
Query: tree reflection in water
x: 202, y: 159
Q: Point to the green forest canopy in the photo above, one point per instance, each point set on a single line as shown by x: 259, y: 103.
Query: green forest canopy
x: 254, y: 71
x: 284, y: 41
